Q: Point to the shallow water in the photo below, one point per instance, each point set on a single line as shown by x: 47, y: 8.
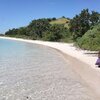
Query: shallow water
x: 35, y: 72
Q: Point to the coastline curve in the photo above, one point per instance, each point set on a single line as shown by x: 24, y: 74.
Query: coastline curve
x: 81, y: 66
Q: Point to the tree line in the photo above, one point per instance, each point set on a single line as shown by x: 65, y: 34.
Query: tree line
x: 77, y: 29
x: 41, y: 29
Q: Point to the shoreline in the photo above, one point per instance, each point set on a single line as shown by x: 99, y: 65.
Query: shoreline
x: 67, y: 48
x: 81, y: 62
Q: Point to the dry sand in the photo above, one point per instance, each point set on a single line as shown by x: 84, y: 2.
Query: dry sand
x: 83, y: 62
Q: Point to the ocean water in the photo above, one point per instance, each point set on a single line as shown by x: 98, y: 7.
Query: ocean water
x: 35, y: 72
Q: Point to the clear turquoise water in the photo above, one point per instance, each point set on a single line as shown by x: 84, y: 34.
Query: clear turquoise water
x: 35, y: 72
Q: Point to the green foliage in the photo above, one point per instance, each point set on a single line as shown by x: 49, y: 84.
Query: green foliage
x: 60, y: 21
x: 94, y: 18
x: 81, y: 23
x: 1, y: 34
x: 56, y: 33
x: 53, y: 18
x: 38, y: 27
x: 63, y: 17
x: 42, y: 29
x: 91, y: 39
x: 83, y: 28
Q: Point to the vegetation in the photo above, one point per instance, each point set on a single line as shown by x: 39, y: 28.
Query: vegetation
x: 91, y: 39
x: 81, y: 23
x: 57, y: 32
x: 1, y: 34
x: 43, y: 29
x: 83, y: 29
x: 60, y: 21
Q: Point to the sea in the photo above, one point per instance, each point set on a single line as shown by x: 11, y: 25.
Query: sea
x: 35, y: 72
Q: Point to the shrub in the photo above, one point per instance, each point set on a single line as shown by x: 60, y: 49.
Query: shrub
x: 91, y: 39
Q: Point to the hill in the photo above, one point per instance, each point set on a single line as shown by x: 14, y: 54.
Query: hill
x: 64, y: 21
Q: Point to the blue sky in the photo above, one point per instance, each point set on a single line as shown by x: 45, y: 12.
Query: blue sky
x: 17, y: 13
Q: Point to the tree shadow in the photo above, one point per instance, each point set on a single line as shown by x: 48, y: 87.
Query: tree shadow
x: 94, y: 54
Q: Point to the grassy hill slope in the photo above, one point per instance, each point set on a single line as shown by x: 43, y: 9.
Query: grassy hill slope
x: 64, y: 21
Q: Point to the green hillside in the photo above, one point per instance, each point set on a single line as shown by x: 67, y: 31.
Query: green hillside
x: 83, y: 29
x: 64, y: 21
x: 60, y: 21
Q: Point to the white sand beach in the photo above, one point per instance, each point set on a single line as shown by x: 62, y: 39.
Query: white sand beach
x: 83, y: 62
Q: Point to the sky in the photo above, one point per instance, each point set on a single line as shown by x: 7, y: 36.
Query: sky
x: 18, y: 13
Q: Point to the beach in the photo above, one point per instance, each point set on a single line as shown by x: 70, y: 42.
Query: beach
x: 83, y: 61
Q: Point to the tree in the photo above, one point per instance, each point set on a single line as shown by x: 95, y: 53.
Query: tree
x: 80, y: 24
x: 12, y: 32
x: 55, y: 33
x: 94, y: 18
x: 63, y: 17
x: 22, y: 31
x: 38, y: 27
